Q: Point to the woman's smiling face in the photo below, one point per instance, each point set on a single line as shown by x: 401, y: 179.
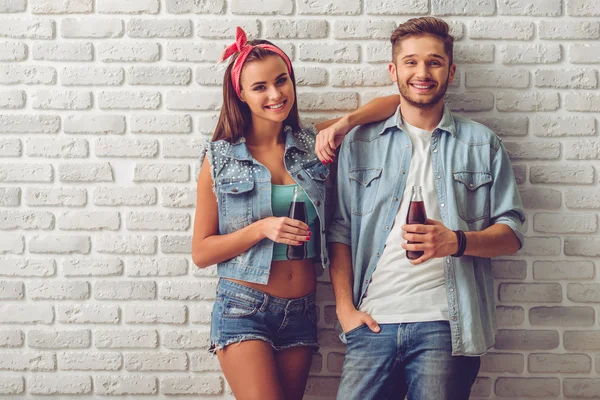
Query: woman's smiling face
x: 267, y: 88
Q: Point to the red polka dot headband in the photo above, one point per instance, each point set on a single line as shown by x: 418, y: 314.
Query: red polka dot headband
x: 243, y: 48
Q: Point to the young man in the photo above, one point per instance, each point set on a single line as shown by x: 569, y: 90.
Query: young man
x: 417, y: 327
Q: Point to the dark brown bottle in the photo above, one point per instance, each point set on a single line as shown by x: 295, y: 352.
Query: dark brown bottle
x: 297, y: 211
x: 416, y: 215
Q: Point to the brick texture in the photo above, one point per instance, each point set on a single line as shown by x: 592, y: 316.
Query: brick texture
x: 105, y: 106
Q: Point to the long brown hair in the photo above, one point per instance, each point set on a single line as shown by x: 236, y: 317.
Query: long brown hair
x: 235, y: 115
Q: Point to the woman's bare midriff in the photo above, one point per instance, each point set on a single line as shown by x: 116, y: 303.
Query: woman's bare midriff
x: 288, y: 279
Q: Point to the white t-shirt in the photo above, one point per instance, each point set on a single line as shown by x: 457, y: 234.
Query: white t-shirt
x: 400, y: 292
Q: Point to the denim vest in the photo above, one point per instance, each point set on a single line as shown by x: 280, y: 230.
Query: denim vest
x: 242, y: 186
x: 475, y: 188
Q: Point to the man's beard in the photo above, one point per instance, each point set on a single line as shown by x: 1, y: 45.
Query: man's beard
x: 406, y: 95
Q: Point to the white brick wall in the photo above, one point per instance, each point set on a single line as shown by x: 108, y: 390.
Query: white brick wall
x: 106, y: 104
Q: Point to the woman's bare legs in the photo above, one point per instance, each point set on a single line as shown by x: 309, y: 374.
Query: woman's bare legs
x: 256, y: 372
x: 251, y: 370
x: 293, y: 365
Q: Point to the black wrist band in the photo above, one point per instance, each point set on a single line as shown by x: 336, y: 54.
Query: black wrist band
x: 462, y: 243
x: 457, y: 242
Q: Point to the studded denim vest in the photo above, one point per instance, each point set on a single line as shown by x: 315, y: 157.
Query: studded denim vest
x: 242, y: 186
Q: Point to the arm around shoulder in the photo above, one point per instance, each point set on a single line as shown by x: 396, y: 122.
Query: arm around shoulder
x: 332, y: 132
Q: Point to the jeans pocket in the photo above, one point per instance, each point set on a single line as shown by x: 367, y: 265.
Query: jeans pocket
x: 353, y: 330
x: 234, y: 307
x: 364, y: 182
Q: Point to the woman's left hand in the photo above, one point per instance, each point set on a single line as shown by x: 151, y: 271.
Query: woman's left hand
x: 330, y: 138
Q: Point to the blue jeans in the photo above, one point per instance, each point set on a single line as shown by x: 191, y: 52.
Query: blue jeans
x: 412, y: 359
x: 243, y: 313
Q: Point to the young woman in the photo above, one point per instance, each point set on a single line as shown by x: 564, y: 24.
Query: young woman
x: 264, y: 317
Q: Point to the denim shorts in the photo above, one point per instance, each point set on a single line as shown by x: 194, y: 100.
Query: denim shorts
x: 243, y: 313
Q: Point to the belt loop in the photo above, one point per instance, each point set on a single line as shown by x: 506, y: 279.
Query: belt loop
x: 265, y: 302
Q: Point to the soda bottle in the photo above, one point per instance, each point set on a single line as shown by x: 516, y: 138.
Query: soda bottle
x: 416, y: 215
x: 297, y: 211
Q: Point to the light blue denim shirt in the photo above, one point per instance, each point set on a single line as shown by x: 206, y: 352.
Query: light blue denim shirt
x: 475, y: 187
x: 242, y: 186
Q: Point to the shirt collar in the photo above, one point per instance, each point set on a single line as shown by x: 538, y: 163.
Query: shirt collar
x: 393, y: 121
x: 292, y: 140
x: 239, y: 151
x: 446, y: 124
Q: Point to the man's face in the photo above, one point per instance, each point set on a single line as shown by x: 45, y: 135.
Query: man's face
x: 422, y: 71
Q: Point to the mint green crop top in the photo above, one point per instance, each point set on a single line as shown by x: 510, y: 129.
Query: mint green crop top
x: 281, y: 198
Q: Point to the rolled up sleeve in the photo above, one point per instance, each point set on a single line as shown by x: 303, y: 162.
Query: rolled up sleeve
x: 506, y: 205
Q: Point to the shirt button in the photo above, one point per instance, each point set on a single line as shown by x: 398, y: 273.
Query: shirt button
x: 453, y: 318
x: 395, y: 199
x: 300, y: 177
x: 452, y: 289
x: 322, y: 176
x: 387, y: 227
x: 234, y: 190
x: 403, y: 172
x: 318, y: 203
x: 447, y: 261
x: 435, y: 151
x: 377, y: 254
x: 439, y: 177
x: 442, y: 205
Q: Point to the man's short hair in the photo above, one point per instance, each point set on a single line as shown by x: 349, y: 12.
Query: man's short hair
x: 419, y: 27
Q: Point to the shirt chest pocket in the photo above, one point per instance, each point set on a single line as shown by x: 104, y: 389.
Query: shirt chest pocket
x: 236, y: 201
x: 473, y: 195
x: 364, y: 183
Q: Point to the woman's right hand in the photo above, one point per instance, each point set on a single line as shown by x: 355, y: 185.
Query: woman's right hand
x: 330, y: 138
x: 285, y: 230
